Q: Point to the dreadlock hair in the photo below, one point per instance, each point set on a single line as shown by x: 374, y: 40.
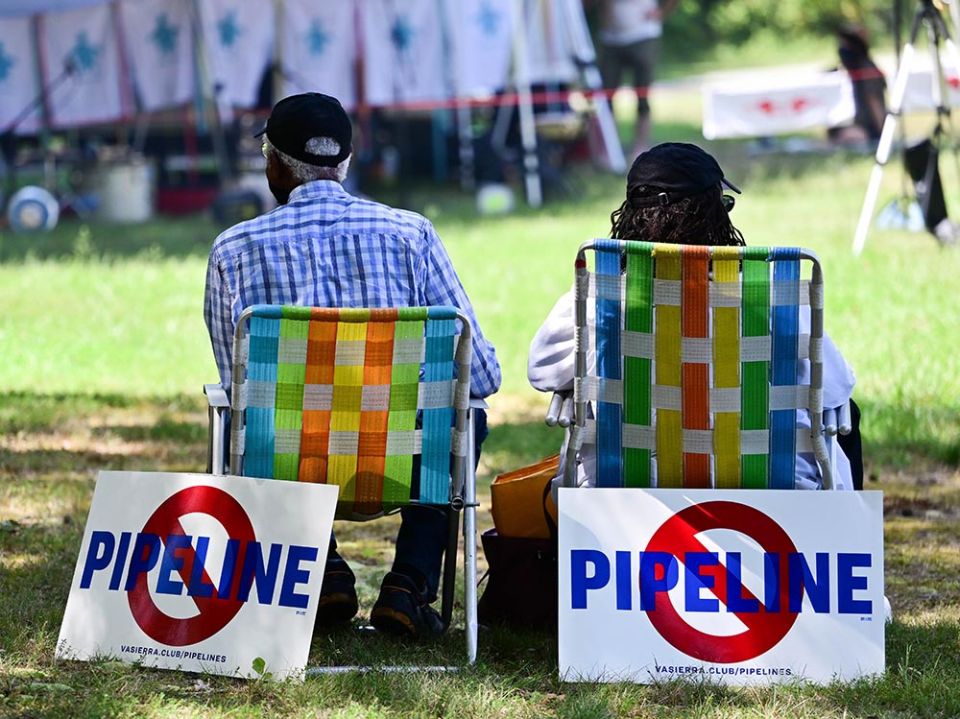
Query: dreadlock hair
x: 696, y: 220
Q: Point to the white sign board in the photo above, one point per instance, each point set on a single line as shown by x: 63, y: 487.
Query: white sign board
x: 733, y: 587
x: 780, y: 106
x: 920, y: 89
x: 200, y: 573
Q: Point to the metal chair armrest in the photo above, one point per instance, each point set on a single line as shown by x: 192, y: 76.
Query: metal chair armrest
x: 844, y: 423
x: 830, y: 421
x: 560, y: 411
x: 217, y: 407
x: 216, y: 396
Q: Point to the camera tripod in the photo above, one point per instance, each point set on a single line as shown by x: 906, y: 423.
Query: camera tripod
x: 927, y: 16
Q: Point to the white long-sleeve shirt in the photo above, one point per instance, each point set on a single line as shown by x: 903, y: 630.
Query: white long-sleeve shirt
x: 550, y: 367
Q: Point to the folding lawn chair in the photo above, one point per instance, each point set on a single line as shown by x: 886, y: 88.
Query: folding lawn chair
x: 697, y: 350
x: 351, y: 397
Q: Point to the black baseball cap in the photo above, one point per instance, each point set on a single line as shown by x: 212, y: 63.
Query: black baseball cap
x: 297, y: 119
x: 672, y: 171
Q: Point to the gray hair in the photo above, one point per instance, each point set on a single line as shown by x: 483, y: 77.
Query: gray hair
x: 304, y: 171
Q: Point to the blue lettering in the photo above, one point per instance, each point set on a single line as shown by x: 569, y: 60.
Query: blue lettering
x: 294, y: 575
x: 172, y: 563
x: 847, y: 583
x: 146, y: 552
x: 196, y: 587
x: 802, y: 580
x: 653, y: 564
x: 121, y: 564
x: 96, y: 559
x: 771, y: 582
x: 229, y: 567
x: 624, y: 583
x: 736, y: 602
x: 580, y: 583
x: 254, y: 570
x: 695, y: 581
x: 787, y: 579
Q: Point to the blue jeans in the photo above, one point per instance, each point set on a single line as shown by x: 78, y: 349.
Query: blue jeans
x: 423, y: 533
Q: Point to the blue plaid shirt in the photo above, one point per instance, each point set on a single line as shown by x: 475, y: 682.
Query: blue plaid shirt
x: 327, y: 248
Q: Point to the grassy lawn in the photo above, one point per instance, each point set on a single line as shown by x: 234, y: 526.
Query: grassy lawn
x: 104, y: 351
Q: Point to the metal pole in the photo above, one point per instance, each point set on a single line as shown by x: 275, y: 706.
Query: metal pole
x: 470, y: 545
x: 886, y: 143
x: 280, y: 88
x: 528, y: 130
x: 462, y: 111
x: 211, y: 103
x: 586, y: 61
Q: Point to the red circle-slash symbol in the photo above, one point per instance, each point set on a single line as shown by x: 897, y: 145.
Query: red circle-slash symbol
x: 215, y: 611
x: 765, y: 629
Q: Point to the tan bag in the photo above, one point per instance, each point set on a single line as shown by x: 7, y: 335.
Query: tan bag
x: 522, y: 502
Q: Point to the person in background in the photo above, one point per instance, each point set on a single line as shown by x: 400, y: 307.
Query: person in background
x: 869, y: 88
x: 675, y: 194
x: 630, y: 33
x: 323, y: 247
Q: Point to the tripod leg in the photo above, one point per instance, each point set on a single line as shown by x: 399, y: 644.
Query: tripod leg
x: 885, y: 145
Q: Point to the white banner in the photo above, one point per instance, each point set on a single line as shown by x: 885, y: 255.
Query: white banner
x: 159, y: 39
x: 549, y: 50
x: 482, y: 38
x: 783, y: 106
x: 200, y: 573
x: 18, y: 74
x: 735, y: 586
x: 238, y: 40
x: 318, y: 49
x: 404, y: 59
x: 84, y: 41
x: 920, y: 89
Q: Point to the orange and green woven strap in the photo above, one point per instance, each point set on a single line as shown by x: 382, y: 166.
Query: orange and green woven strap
x: 335, y: 395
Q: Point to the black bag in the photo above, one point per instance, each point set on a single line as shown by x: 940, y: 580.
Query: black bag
x: 521, y: 588
x: 922, y: 162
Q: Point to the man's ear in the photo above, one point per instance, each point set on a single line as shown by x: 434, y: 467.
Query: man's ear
x: 279, y: 174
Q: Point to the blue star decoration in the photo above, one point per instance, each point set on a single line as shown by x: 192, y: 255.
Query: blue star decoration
x: 6, y: 63
x: 489, y: 19
x: 164, y: 35
x: 317, y: 39
x: 401, y: 34
x: 228, y: 29
x: 84, y: 53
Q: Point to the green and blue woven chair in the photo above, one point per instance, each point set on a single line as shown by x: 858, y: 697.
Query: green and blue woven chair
x: 376, y: 401
x: 697, y: 351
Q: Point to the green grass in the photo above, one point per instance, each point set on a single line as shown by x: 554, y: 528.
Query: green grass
x: 123, y: 314
x: 104, y: 350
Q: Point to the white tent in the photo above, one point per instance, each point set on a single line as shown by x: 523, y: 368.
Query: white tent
x: 83, y: 61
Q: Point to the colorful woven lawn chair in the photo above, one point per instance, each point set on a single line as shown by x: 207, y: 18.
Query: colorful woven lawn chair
x: 376, y: 401
x: 696, y: 375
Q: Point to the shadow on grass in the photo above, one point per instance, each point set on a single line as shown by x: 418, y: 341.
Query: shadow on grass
x: 896, y: 436
x: 517, y: 671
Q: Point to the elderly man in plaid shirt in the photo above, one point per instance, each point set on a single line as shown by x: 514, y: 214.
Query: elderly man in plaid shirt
x: 322, y: 247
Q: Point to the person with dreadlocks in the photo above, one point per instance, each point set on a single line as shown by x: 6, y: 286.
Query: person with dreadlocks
x: 675, y: 194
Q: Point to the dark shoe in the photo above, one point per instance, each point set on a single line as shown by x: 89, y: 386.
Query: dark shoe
x: 402, y: 609
x: 338, y: 595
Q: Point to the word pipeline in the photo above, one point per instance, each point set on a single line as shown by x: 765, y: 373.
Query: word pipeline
x: 827, y: 579
x: 247, y: 567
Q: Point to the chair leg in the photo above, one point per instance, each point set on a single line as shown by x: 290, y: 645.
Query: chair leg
x: 470, y: 545
x: 470, y: 580
x: 450, y: 567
